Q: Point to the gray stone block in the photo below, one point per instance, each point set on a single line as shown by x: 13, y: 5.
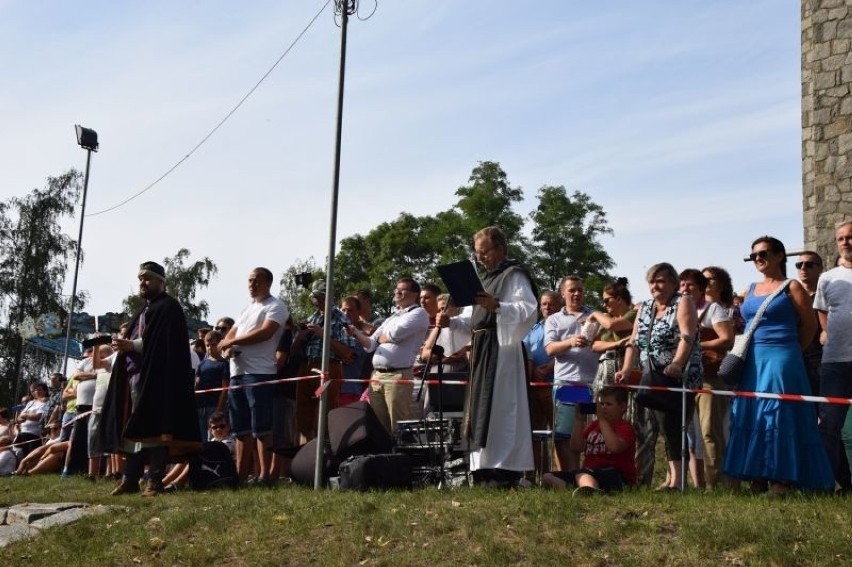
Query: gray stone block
x: 27, y: 515
x: 15, y: 532
x: 67, y: 516
x: 59, y: 518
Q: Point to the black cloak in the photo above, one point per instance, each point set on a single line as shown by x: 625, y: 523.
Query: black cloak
x: 165, y: 412
x: 483, y: 357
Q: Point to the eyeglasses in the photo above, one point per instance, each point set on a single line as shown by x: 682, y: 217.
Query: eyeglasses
x: 762, y: 254
x: 806, y: 265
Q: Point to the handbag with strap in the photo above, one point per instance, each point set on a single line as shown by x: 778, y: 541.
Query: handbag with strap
x: 654, y: 376
x: 732, y: 366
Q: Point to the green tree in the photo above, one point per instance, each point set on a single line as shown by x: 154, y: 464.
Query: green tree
x: 413, y: 246
x: 408, y: 246
x: 487, y: 201
x: 182, y: 282
x: 295, y: 296
x: 34, y: 254
x: 565, y: 238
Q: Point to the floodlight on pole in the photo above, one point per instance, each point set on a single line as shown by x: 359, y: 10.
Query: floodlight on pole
x: 88, y: 140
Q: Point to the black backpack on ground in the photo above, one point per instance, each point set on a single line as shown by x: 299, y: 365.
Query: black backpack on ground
x: 212, y: 467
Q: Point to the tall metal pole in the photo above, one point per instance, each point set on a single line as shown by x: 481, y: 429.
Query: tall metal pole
x: 76, y: 264
x: 345, y: 7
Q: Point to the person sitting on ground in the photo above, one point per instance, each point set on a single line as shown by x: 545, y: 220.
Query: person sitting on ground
x: 220, y: 431
x: 608, y: 444
x: 7, y: 427
x: 49, y: 458
x: 29, y: 420
x: 8, y: 460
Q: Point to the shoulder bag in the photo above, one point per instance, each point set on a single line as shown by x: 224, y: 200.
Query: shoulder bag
x: 654, y: 376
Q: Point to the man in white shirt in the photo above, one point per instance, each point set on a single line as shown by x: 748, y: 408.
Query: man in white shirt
x: 833, y: 302
x: 395, y: 345
x: 250, y: 345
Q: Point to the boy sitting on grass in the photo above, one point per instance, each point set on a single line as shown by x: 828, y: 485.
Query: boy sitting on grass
x: 608, y: 444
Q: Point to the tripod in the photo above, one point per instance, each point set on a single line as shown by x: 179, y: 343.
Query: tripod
x: 441, y: 455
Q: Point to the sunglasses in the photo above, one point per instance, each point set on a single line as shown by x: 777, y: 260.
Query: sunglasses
x: 762, y: 254
x: 806, y: 265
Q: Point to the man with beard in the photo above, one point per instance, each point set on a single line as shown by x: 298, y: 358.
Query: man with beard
x: 833, y: 303
x: 149, y: 411
x: 497, y: 419
x: 250, y: 346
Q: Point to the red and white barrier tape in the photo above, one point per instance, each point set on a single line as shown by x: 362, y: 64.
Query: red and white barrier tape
x: 326, y: 382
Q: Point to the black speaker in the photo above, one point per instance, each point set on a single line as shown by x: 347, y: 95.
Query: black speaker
x: 355, y: 430
x: 302, y: 467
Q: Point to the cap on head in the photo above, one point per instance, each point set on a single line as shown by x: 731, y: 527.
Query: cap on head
x: 318, y: 289
x: 152, y: 269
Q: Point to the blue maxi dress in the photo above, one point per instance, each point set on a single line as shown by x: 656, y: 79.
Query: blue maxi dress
x: 773, y: 439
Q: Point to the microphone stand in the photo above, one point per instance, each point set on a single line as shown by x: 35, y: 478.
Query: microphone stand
x: 437, y: 355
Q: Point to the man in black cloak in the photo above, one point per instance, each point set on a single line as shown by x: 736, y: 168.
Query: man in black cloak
x: 149, y: 412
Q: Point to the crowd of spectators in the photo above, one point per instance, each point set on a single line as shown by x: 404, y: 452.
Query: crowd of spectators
x: 802, y: 345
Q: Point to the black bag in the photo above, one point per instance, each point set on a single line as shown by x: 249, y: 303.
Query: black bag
x: 382, y: 472
x: 656, y: 400
x: 213, y: 467
x: 731, y: 369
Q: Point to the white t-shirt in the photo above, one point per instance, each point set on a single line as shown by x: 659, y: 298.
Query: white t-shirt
x: 102, y: 383
x: 30, y: 426
x: 834, y: 296
x: 715, y: 314
x: 85, y: 388
x: 85, y: 392
x: 258, y: 358
x: 577, y: 364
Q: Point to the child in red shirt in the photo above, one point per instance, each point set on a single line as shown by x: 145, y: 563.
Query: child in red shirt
x: 609, y: 446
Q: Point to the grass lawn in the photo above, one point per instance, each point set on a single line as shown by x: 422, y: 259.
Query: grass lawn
x: 290, y: 525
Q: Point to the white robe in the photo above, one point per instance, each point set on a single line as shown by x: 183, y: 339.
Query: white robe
x: 509, y: 444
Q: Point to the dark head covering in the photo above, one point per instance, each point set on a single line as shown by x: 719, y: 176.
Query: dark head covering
x: 153, y: 269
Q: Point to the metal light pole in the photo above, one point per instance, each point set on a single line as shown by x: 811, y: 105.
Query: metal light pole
x: 88, y: 140
x: 346, y: 8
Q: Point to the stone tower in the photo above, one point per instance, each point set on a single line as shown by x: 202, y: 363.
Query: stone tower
x: 826, y: 121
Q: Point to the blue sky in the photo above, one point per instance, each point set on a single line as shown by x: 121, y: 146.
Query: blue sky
x: 681, y: 118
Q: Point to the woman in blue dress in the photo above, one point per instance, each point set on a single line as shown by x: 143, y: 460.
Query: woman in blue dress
x: 777, y: 441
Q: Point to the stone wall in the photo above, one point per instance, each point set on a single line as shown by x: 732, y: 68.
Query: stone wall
x: 826, y: 121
